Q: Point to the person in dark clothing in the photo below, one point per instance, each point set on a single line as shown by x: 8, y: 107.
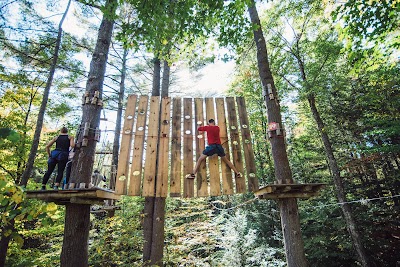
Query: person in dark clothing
x: 58, y: 156
x: 68, y: 167
x: 214, y: 147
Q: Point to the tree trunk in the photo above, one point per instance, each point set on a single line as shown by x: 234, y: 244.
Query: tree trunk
x: 121, y: 96
x: 340, y: 192
x: 154, y: 208
x: 5, y: 241
x: 148, y: 229
x: 76, y: 230
x: 156, y: 77
x: 46, y: 92
x: 290, y: 221
x: 76, y: 235
x: 165, y: 80
x: 23, y: 180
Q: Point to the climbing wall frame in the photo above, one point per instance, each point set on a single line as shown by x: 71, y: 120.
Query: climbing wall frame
x: 155, y: 157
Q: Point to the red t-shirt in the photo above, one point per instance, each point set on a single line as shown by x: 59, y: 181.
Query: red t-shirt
x: 212, y: 133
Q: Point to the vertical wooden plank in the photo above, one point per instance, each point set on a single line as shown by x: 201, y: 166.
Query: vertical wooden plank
x: 163, y: 148
x: 151, y: 149
x: 215, y: 184
x: 135, y: 182
x: 247, y: 146
x: 188, y: 189
x: 202, y: 185
x: 125, y: 151
x: 235, y: 144
x: 176, y: 154
x: 227, y: 183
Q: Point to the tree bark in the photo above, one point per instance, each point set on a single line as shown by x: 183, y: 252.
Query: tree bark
x: 340, y: 192
x: 121, y: 96
x: 165, y: 79
x: 156, y: 77
x: 294, y: 246
x: 76, y: 235
x: 39, y: 123
x: 154, y: 208
x: 76, y: 230
x: 5, y: 241
x: 148, y: 229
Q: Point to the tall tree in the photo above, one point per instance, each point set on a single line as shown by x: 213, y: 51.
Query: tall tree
x: 307, y: 20
x: 46, y: 92
x: 290, y: 221
x: 76, y: 231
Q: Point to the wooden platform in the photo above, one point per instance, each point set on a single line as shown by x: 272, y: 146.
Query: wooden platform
x: 160, y: 145
x: 278, y: 191
x: 93, y: 195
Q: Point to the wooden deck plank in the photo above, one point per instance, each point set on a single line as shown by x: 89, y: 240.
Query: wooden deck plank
x: 227, y: 182
x: 235, y: 144
x: 247, y: 145
x: 125, y: 151
x: 176, y: 147
x: 289, y: 195
x: 274, y: 191
x: 163, y: 148
x: 135, y: 182
x: 91, y: 193
x: 151, y: 149
x: 188, y: 189
x: 213, y: 166
x: 202, y: 185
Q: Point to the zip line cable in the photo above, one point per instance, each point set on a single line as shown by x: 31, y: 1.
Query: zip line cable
x: 362, y: 201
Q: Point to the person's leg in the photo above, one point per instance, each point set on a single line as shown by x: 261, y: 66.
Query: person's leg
x: 197, y: 166
x: 68, y: 171
x: 198, y: 163
x: 227, y: 161
x: 60, y: 172
x: 51, y: 164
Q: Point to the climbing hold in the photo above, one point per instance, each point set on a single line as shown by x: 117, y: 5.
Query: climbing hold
x: 127, y: 131
x: 129, y: 117
x: 188, y: 132
x: 199, y: 122
x: 122, y: 178
x: 244, y: 126
x: 140, y: 128
x: 200, y: 136
x: 247, y: 141
x: 233, y: 127
x: 187, y: 117
x: 136, y: 173
x: 235, y: 143
x: 252, y: 175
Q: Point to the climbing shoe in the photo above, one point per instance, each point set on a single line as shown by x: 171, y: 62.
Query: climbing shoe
x: 190, y: 176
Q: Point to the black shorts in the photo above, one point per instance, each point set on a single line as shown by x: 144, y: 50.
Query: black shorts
x: 214, y: 149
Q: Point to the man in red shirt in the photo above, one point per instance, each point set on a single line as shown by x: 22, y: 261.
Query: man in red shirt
x: 214, y: 147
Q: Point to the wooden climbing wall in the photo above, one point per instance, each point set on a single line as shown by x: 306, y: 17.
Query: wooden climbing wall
x: 160, y: 144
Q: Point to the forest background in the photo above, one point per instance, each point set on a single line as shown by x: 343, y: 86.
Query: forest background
x: 344, y: 56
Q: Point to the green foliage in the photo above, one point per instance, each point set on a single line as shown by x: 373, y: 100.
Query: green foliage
x: 118, y: 241
x: 34, y: 222
x: 239, y: 245
x: 371, y: 20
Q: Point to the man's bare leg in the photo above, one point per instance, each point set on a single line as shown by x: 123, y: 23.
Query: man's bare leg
x: 198, y: 163
x: 227, y: 161
x: 197, y: 167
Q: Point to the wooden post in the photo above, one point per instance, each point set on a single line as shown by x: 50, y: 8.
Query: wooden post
x: 202, y: 185
x: 176, y: 140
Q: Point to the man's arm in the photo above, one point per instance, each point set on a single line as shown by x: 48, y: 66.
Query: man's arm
x: 202, y: 128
